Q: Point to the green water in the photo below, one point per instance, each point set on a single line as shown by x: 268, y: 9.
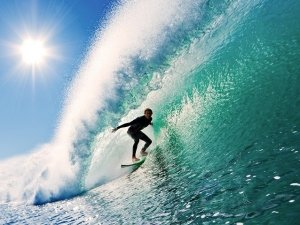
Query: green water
x: 228, y: 134
x: 229, y: 149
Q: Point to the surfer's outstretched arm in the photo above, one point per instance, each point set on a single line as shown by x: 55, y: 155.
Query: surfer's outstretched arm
x: 121, y: 126
x: 126, y: 125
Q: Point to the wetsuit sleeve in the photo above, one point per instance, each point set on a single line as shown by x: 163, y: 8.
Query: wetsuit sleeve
x: 135, y: 121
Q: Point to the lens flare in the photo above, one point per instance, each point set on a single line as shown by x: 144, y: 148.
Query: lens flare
x: 33, y: 51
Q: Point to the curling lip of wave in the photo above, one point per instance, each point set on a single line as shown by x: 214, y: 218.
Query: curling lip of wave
x: 55, y: 167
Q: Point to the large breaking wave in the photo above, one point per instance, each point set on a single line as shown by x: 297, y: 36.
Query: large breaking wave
x: 141, y: 57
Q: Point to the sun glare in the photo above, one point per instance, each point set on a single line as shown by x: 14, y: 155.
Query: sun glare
x: 33, y: 51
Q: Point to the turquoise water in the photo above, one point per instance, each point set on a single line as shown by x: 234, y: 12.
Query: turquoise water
x: 224, y: 85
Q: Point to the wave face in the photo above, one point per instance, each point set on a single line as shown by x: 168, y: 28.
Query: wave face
x: 223, y: 81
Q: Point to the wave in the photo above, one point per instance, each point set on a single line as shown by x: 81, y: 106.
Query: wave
x: 143, y: 56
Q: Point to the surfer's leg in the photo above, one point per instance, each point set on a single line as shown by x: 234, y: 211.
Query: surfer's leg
x: 146, y: 139
x: 134, y: 147
x: 136, y: 142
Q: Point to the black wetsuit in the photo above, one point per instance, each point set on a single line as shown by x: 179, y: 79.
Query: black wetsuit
x: 135, y: 132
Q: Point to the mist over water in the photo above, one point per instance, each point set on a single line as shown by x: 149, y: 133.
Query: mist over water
x: 223, y: 81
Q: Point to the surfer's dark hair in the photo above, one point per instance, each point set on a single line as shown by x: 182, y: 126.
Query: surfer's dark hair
x: 148, y: 110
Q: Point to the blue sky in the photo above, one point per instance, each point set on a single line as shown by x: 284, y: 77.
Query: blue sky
x: 31, y: 102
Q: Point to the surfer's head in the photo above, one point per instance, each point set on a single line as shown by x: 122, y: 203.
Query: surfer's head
x: 148, y: 113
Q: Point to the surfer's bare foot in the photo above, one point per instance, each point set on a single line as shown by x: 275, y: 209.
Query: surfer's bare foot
x: 134, y: 159
x: 144, y: 153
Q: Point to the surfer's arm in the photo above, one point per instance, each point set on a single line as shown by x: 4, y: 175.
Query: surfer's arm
x: 121, y: 126
x: 126, y: 124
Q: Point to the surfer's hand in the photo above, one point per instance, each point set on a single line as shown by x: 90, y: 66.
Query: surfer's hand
x: 114, y: 130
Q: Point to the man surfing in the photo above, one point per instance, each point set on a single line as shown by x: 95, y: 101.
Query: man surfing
x: 136, y: 134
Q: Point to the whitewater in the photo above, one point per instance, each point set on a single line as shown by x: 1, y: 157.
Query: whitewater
x: 222, y: 79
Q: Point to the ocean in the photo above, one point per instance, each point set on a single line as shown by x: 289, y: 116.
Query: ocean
x: 223, y: 81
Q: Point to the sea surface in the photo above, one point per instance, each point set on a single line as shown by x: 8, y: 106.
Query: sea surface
x: 223, y: 81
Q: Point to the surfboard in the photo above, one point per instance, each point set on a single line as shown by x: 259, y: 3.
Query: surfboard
x: 136, y: 163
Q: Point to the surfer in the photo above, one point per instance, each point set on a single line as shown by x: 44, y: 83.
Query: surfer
x: 136, y: 134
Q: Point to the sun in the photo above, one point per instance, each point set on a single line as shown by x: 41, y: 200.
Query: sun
x: 33, y: 52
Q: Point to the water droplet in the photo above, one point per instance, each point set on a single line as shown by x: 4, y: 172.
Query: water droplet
x: 277, y: 177
x: 295, y: 184
x: 216, y: 214
x: 291, y: 201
